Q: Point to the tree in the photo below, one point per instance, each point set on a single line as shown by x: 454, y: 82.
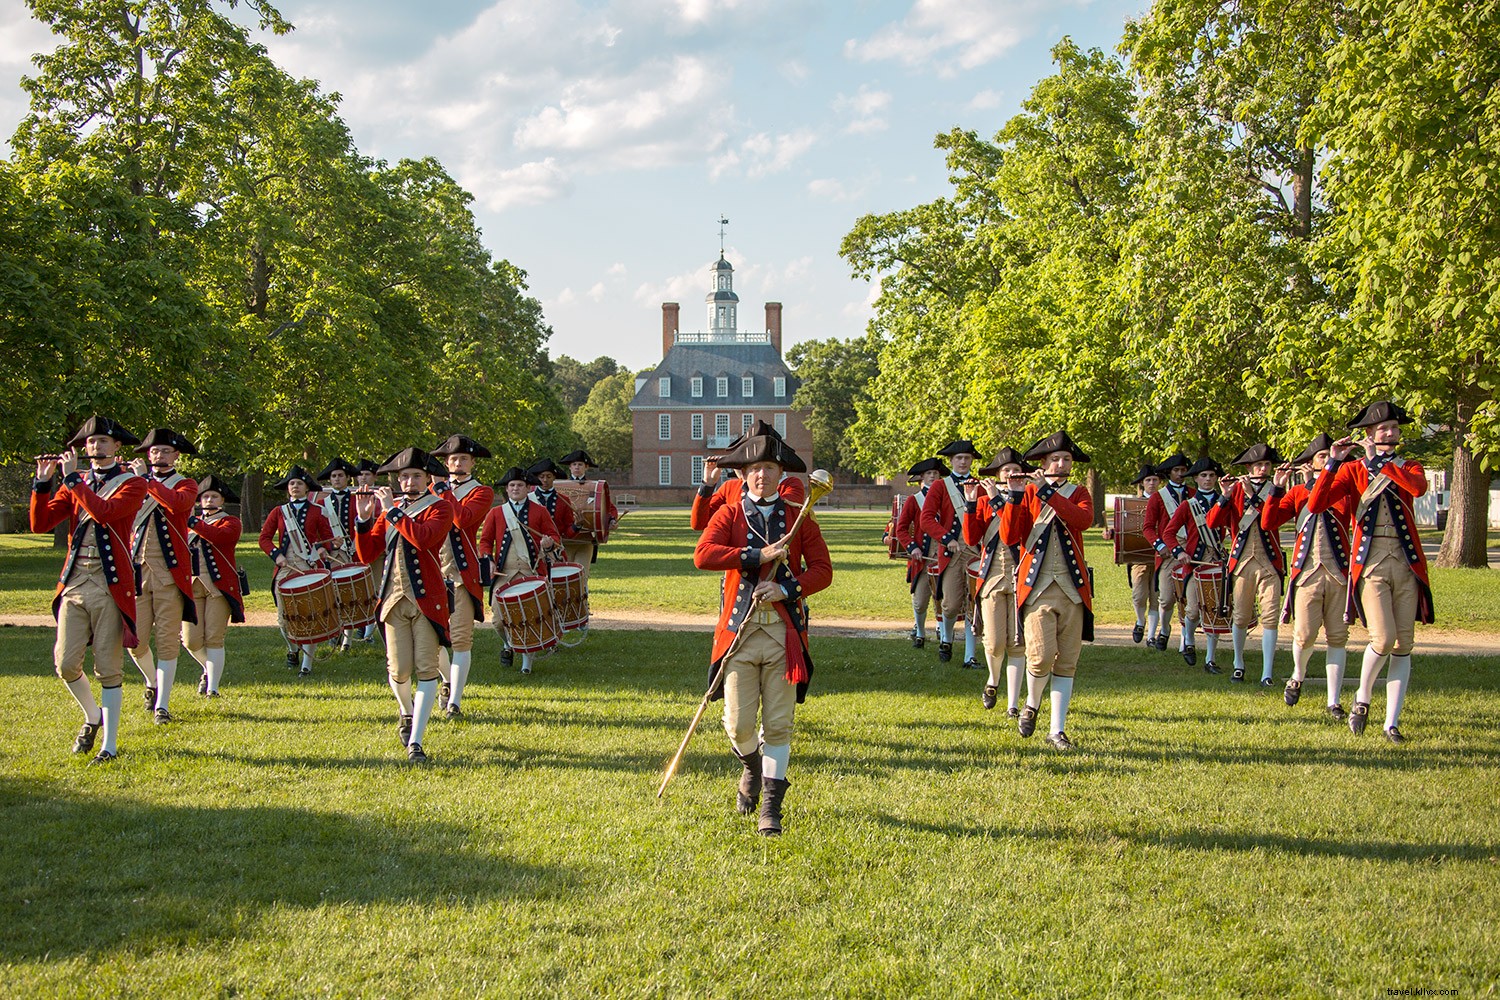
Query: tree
x: 832, y: 375
x: 573, y: 380
x: 604, y: 421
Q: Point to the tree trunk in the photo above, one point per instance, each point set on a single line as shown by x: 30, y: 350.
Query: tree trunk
x: 1465, y: 541
x: 1094, y: 483
x: 253, y: 502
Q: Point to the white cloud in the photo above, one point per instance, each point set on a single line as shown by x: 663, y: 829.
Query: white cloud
x: 865, y: 108
x: 599, y: 111
x: 617, y: 269
x: 763, y: 154
x: 864, y: 308
x: 565, y: 297
x: 955, y: 34
x: 597, y: 292
x: 21, y: 35
x: 835, y: 190
x: 986, y: 100
x: 529, y: 184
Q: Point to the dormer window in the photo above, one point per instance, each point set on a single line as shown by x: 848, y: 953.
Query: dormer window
x: 721, y: 386
x: 747, y: 386
x: 664, y: 387
x: 697, y: 386
x: 780, y: 386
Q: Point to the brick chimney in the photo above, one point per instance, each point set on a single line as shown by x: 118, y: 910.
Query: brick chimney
x: 669, y: 311
x: 773, y: 324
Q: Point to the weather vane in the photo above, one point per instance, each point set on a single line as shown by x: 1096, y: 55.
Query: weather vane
x: 722, y: 223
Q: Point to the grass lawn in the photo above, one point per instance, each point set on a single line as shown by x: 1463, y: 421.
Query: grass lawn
x: 1203, y: 841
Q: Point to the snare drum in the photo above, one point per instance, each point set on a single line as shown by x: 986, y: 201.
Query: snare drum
x: 354, y: 595
x: 975, y: 570
x: 1129, y: 523
x: 1213, y: 602
x: 570, y: 595
x: 308, y: 612
x: 524, y: 611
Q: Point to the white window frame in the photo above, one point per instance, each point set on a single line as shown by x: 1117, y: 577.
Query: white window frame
x: 696, y: 387
x: 778, y: 421
x: 664, y: 470
x: 746, y: 421
x: 779, y: 384
x: 664, y: 426
x: 697, y: 427
x: 721, y: 386
x: 697, y: 470
x: 721, y: 425
x: 747, y: 386
x: 664, y: 387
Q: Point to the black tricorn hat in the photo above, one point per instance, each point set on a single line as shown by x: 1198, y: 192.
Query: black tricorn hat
x: 763, y: 448
x: 295, y: 472
x: 1057, y: 442
x: 213, y: 484
x: 365, y: 465
x: 513, y: 473
x: 435, y: 467
x: 577, y: 456
x: 927, y: 465
x: 1205, y: 464
x: 547, y: 465
x: 758, y: 429
x: 102, y: 425
x: 1167, y: 465
x: 409, y: 458
x: 460, y: 444
x: 961, y: 446
x: 1147, y: 470
x: 1379, y: 412
x: 1320, y: 443
x: 165, y: 437
x: 338, y: 465
x: 1258, y: 453
x: 1005, y: 456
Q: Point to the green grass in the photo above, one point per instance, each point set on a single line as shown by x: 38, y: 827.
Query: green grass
x: 1203, y: 841
x: 648, y: 565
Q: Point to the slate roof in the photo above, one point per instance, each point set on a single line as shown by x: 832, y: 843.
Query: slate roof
x: 710, y: 361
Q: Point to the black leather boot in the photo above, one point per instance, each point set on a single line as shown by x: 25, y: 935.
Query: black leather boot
x: 770, y: 806
x: 749, y: 793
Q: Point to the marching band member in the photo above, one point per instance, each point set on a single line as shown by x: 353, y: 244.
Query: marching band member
x: 1054, y: 587
x: 212, y: 536
x: 1388, y: 585
x: 760, y: 641
x: 1159, y: 510
x: 1255, y: 513
x: 712, y: 494
x: 1318, y: 589
x: 471, y: 502
x: 364, y: 482
x: 942, y: 518
x: 95, y: 599
x: 995, y: 604
x: 1202, y: 519
x: 516, y: 536
x: 546, y: 473
x: 296, y: 537
x: 405, y: 534
x: 164, y: 576
x: 337, y: 505
x: 585, y: 551
x: 918, y: 544
x: 1142, y: 578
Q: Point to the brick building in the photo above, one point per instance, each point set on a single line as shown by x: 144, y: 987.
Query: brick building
x: 708, y: 388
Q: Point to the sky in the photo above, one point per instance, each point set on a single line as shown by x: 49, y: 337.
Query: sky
x: 603, y: 141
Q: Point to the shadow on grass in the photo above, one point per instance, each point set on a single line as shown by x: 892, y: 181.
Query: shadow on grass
x: 90, y: 875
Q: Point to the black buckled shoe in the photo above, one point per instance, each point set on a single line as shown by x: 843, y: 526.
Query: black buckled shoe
x: 150, y: 701
x: 416, y: 754
x: 445, y: 692
x: 1359, y: 717
x: 1238, y: 675
x: 989, y: 696
x: 1268, y: 682
x: 945, y: 651
x: 1293, y: 692
x: 1161, y: 639
x: 203, y: 685
x: 403, y: 729
x: 162, y: 717
x: 747, y: 797
x: 1013, y: 713
x: 507, y: 658
x: 918, y: 640
x: 1026, y: 724
x: 1210, y: 667
x: 292, y: 659
x: 1138, y: 633
x: 1336, y: 711
x: 1190, y: 656
x: 1060, y: 741
x: 971, y: 664
x: 103, y: 757
x: 86, y: 736
x: 452, y: 711
x: 772, y: 792
x: 1394, y: 735
x: 305, y: 672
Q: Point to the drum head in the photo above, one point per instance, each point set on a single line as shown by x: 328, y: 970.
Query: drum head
x: 566, y: 571
x: 976, y: 566
x: 521, y: 588
x: 345, y: 572
x: 302, y: 581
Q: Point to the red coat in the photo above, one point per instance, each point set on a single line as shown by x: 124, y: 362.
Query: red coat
x: 1216, y: 519
x: 1273, y: 514
x: 911, y: 537
x: 113, y: 517
x: 561, y: 509
x: 1334, y: 520
x: 274, y: 540
x: 730, y: 492
x: 170, y: 523
x: 1075, y: 514
x: 977, y: 524
x: 1154, y: 523
x: 726, y: 546
x: 1347, y: 481
x: 416, y: 544
x: 469, y: 511
x: 941, y: 520
x: 212, y: 545
x: 494, y: 539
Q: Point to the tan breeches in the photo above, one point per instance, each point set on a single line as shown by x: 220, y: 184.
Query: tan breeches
x: 158, y: 618
x: 1166, y: 592
x: 921, y: 595
x: 461, y: 619
x: 580, y: 553
x: 1140, y: 588
x: 1256, y: 583
x: 1388, y: 592
x: 411, y: 643
x: 1054, y: 632
x: 956, y: 585
x: 755, y: 681
x: 997, y: 612
x: 88, y: 612
x: 1318, y: 603
x: 213, y: 619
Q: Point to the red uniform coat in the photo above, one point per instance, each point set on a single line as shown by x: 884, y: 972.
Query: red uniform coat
x: 174, y: 496
x: 1334, y: 521
x: 911, y: 537
x: 941, y: 519
x: 561, y: 509
x: 411, y: 534
x: 1155, y: 520
x: 274, y: 540
x: 110, y: 520
x: 977, y: 523
x: 730, y: 545
x: 1347, y: 481
x: 494, y: 539
x: 1216, y: 519
x: 1273, y: 514
x: 471, y: 502
x: 730, y: 492
x: 212, y: 545
x: 1075, y: 513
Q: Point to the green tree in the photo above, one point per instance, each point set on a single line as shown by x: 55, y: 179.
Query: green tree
x: 573, y: 380
x: 833, y: 374
x: 604, y: 421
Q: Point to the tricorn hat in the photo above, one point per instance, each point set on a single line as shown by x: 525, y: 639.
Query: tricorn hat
x: 763, y: 448
x: 435, y: 467
x: 168, y: 438
x: 513, y: 473
x: 928, y: 465
x: 338, y: 465
x: 102, y: 425
x: 213, y: 484
x: 1056, y: 442
x: 1206, y: 464
x: 460, y: 444
x: 1146, y: 472
x: 365, y: 465
x: 1167, y: 465
x: 1005, y: 456
x: 1379, y: 412
x: 1258, y: 453
x: 547, y: 465
x: 1320, y: 443
x: 295, y: 472
x: 758, y: 429
x: 961, y: 446
x: 577, y: 456
x: 408, y: 458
